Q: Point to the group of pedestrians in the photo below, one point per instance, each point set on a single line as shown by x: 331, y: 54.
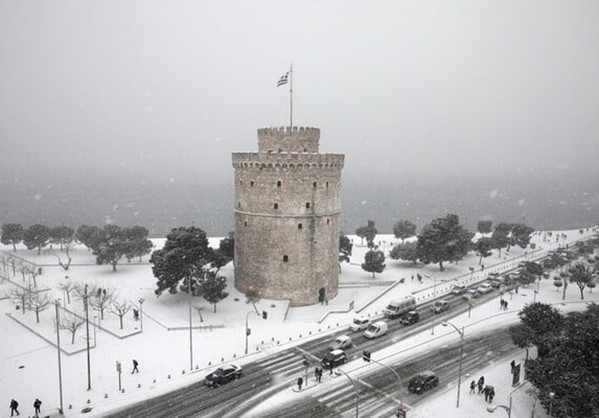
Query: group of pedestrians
x: 14, y: 407
x: 488, y: 390
x: 503, y: 304
x: 317, y: 375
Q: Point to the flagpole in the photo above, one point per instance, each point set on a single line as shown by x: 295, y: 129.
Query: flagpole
x: 291, y: 97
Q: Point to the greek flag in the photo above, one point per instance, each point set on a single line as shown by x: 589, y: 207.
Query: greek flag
x: 283, y: 80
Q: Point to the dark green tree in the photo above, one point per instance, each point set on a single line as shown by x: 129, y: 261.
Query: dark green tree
x: 213, y: 288
x: 483, y: 248
x: 12, y: 234
x: 404, y: 229
x: 444, y: 239
x: 61, y: 235
x: 369, y: 232
x: 405, y: 251
x: 521, y: 235
x: 581, y: 273
x: 374, y: 262
x: 36, y: 236
x: 110, y: 244
x: 345, y: 248
x: 138, y: 242
x: 500, y: 236
x: 227, y: 246
x: 521, y: 337
x: 484, y: 227
x: 182, y: 260
x: 88, y: 235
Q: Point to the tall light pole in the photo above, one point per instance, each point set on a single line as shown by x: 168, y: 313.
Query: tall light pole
x: 338, y: 372
x: 434, y: 294
x: 89, y: 371
x: 508, y: 409
x: 141, y: 313
x: 367, y: 357
x: 57, y: 306
x: 461, y: 357
x: 190, y: 329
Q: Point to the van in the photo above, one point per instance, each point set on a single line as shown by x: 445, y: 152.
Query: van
x: 378, y: 329
x: 397, y: 308
x: 359, y: 324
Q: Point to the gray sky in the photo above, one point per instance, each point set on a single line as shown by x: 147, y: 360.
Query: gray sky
x: 154, y: 91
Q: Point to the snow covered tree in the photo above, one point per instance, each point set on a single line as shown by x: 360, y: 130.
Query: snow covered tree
x: 213, y: 288
x: 87, y: 235
x: 181, y: 260
x: 67, y: 287
x: 406, y: 251
x: 120, y: 309
x: 581, y: 273
x: 227, y: 246
x: 345, y: 248
x: 12, y: 234
x: 483, y: 248
x: 369, y: 232
x: 36, y: 236
x: 61, y: 235
x: 444, y: 239
x: 67, y: 263
x: 39, y: 302
x: 500, y: 236
x: 71, y: 323
x: 374, y: 262
x: 404, y: 229
x: 138, y: 242
x: 484, y: 227
x: 110, y: 244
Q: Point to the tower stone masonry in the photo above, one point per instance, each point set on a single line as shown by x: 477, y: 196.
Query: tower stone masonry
x: 287, y: 217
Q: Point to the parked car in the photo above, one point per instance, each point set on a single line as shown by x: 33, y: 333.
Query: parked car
x: 410, y: 318
x: 498, y: 281
x: 378, y: 329
x: 341, y: 343
x: 484, y: 288
x: 470, y: 293
x: 360, y: 324
x: 458, y: 289
x: 440, y: 306
x: 223, y: 375
x: 333, y: 358
x: 423, y: 381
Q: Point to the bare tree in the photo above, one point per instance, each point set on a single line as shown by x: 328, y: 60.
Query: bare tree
x: 65, y: 265
x: 100, y: 298
x: 67, y: 287
x: 20, y: 295
x: 72, y: 323
x: 38, y: 302
x: 252, y: 296
x: 120, y: 309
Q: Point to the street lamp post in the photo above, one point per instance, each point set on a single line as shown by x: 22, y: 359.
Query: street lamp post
x: 141, y: 313
x: 551, y: 396
x: 95, y: 326
x: 367, y: 357
x: 89, y: 371
x: 507, y: 409
x: 461, y: 357
x: 190, y: 328
x: 247, y: 330
x: 57, y: 306
x: 339, y: 371
x: 434, y: 295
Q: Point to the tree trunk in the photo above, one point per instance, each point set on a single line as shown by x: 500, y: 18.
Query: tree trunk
x: 73, y: 337
x: 441, y: 266
x: 37, y: 316
x: 121, y: 319
x: 214, y: 307
x: 14, y: 246
x: 373, y: 275
x: 114, y: 266
x: 581, y: 293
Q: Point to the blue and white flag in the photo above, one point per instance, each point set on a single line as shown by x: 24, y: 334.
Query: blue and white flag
x: 283, y: 80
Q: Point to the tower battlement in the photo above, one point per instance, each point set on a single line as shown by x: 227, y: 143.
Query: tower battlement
x: 285, y: 138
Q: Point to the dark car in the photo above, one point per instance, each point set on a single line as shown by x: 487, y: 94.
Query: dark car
x: 410, y: 318
x: 440, y: 306
x: 334, y: 358
x: 223, y: 375
x: 424, y: 381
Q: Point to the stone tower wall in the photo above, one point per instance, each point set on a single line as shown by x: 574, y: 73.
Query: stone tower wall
x: 287, y: 220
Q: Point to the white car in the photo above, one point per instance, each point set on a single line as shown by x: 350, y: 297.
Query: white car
x: 360, y: 324
x: 341, y: 343
x: 484, y: 288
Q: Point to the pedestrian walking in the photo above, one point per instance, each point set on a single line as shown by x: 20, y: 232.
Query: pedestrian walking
x: 505, y: 305
x: 135, y: 315
x: 500, y: 304
x: 316, y: 372
x: 412, y: 277
x: 135, y: 369
x: 491, y: 395
x: 300, y: 382
x: 319, y: 375
x: 14, y: 405
x: 481, y: 383
x: 472, y: 387
x: 36, y: 406
x: 487, y: 391
x: 513, y: 364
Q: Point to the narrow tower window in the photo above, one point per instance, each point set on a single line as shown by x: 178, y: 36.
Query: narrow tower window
x: 276, y: 206
x: 279, y: 183
x: 299, y: 226
x: 252, y: 183
x: 328, y: 221
x: 285, y: 259
x: 241, y: 182
x: 327, y: 184
x: 245, y: 223
x: 314, y: 185
x: 307, y: 205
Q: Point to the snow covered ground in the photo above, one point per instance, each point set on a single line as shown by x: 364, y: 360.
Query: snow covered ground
x: 28, y: 355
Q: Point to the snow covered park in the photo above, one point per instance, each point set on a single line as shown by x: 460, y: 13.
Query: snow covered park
x: 29, y: 357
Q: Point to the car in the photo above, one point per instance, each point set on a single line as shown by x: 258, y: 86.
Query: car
x: 458, y: 289
x: 422, y: 382
x: 470, y: 293
x: 440, y: 306
x: 51, y: 413
x: 333, y: 358
x: 341, y: 343
x: 498, y: 281
x: 223, y: 375
x: 410, y: 318
x: 376, y: 330
x: 359, y: 324
x: 484, y: 288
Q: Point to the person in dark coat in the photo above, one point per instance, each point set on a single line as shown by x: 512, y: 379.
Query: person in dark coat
x: 487, y: 392
x: 513, y: 364
x: 472, y: 386
x: 135, y: 364
x: 491, y: 395
x: 300, y: 382
x: 319, y: 375
x: 14, y: 405
x: 481, y: 383
x: 36, y: 406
